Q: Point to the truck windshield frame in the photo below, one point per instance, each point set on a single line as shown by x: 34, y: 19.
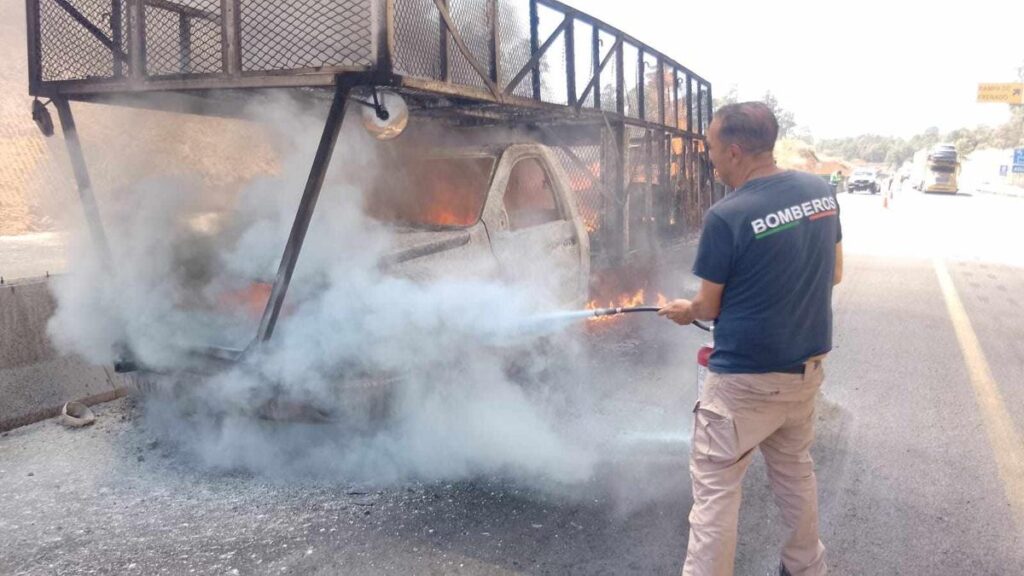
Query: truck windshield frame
x: 433, y: 193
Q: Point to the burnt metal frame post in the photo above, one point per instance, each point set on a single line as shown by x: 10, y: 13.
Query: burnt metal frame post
x: 641, y: 91
x: 137, y: 40
x: 125, y: 358
x: 184, y: 43
x: 494, y: 46
x: 74, y: 146
x: 535, y: 47
x: 445, y: 72
x: 35, y: 73
x: 595, y: 60
x: 689, y: 104
x: 117, y: 35
x: 231, y: 37
x: 570, y: 61
x: 621, y: 188
x: 307, y: 205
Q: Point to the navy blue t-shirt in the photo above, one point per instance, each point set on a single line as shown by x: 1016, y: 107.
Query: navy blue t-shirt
x: 772, y: 244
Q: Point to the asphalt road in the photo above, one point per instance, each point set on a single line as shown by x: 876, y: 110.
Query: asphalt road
x: 919, y: 452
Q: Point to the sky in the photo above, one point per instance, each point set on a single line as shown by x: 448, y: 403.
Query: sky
x: 892, y: 67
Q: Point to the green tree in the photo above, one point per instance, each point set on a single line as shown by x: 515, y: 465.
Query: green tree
x: 730, y: 97
x: 803, y: 134
x: 787, y: 121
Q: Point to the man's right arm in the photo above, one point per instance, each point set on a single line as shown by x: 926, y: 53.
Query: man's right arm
x: 837, y: 276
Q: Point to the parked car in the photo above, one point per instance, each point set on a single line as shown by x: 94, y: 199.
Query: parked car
x: 864, y: 179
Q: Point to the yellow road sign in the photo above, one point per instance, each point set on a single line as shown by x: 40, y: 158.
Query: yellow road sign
x: 1002, y: 93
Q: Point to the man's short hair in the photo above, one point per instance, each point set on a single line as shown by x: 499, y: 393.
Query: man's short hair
x: 750, y: 125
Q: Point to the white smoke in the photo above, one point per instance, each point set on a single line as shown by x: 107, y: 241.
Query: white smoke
x: 465, y: 396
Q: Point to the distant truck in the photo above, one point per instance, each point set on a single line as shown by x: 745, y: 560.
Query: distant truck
x: 937, y: 169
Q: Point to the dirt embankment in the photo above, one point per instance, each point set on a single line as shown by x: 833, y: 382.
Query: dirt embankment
x: 797, y: 155
x: 121, y: 146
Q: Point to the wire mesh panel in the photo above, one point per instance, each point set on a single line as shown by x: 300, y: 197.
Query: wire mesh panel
x: 691, y: 205
x: 681, y: 117
x: 649, y: 76
x: 609, y: 100
x: 705, y: 108
x: 183, y: 38
x: 583, y: 44
x: 514, y: 44
x: 676, y: 182
x: 637, y: 187
x: 665, y: 191
x: 552, y: 66
x: 582, y: 166
x: 473, y: 22
x: 300, y: 34
x: 417, y: 39
x: 694, y: 96
x: 635, y: 153
x: 71, y: 41
x: 669, y: 97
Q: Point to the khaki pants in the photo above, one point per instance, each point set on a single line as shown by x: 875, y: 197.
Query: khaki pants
x: 735, y: 414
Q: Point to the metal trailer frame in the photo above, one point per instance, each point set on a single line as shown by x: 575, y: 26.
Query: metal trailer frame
x: 470, y: 62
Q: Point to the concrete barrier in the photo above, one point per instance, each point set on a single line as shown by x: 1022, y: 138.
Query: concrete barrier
x: 35, y: 379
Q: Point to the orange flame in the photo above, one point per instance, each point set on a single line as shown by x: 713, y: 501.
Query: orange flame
x: 250, y: 300
x: 637, y: 298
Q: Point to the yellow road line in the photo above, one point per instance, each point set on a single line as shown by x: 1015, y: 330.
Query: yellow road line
x: 1007, y: 447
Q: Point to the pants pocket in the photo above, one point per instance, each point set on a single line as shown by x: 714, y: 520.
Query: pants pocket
x: 714, y: 434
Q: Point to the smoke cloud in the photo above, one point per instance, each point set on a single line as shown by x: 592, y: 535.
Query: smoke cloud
x: 375, y: 373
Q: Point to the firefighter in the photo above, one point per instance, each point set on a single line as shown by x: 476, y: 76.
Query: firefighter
x: 768, y: 257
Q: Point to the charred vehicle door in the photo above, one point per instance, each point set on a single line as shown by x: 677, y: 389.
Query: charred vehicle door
x: 535, y: 232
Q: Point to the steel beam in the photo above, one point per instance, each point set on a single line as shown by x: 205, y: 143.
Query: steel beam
x: 494, y: 46
x: 74, y: 146
x: 231, y: 36
x: 570, y: 62
x: 535, y: 46
x: 35, y: 75
x: 137, y: 40
x: 304, y: 214
x: 184, y: 44
x: 117, y: 34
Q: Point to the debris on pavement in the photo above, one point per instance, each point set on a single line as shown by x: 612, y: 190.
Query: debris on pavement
x: 76, y: 415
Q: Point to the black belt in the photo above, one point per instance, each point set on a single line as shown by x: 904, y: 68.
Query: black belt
x: 796, y: 369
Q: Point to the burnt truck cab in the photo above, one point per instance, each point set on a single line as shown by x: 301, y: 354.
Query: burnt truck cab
x: 499, y: 212
x: 503, y: 213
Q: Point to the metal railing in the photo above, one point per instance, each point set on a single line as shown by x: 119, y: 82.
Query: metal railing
x: 514, y: 53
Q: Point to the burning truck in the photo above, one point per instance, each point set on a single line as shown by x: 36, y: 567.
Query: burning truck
x: 568, y: 142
